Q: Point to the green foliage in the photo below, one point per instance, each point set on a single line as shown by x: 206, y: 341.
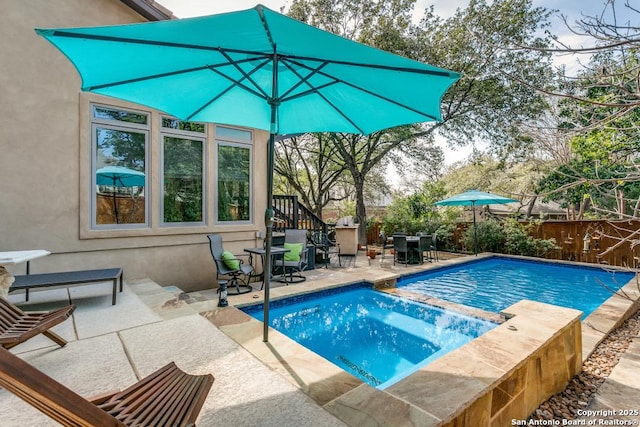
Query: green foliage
x: 496, y: 93
x: 489, y: 234
x: 415, y: 213
x: 509, y: 237
x: 602, y: 171
x: 445, y: 232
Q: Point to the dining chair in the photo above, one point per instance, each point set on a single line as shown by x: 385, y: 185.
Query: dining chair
x: 400, y: 247
x: 295, y: 260
x: 326, y: 247
x: 424, y: 246
x: 385, y: 245
x: 434, y: 246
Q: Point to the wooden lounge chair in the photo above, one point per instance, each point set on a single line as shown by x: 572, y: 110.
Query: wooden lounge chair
x: 17, y: 326
x: 168, y: 397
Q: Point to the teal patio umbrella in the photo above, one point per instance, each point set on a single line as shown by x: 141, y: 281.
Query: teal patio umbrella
x: 255, y: 68
x: 119, y: 176
x: 474, y: 198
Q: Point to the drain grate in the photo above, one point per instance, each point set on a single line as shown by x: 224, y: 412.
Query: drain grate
x: 370, y: 378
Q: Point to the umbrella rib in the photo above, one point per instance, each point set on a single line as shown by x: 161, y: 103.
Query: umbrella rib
x: 236, y: 83
x: 341, y: 113
x: 67, y: 34
x: 303, y: 80
x: 167, y: 74
x: 337, y: 80
x: 247, y: 75
x: 378, y: 66
x: 151, y: 77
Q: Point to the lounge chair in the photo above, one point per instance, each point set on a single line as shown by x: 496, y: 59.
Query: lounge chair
x: 167, y: 397
x: 228, y: 265
x: 295, y: 260
x: 17, y: 326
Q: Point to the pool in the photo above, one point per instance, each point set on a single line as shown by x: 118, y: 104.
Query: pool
x: 377, y: 337
x: 495, y: 283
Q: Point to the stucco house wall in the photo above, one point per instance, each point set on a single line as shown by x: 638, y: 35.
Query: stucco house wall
x: 45, y: 149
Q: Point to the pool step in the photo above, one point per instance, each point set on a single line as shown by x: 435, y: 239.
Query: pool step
x: 421, y: 329
x: 360, y: 371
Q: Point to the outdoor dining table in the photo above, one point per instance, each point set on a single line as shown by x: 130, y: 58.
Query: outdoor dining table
x: 275, y: 250
x: 413, y: 247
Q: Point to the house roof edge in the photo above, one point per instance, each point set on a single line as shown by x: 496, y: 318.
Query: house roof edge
x: 150, y: 9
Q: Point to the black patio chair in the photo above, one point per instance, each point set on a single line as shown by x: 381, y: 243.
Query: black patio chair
x: 326, y: 247
x: 385, y: 245
x: 228, y: 265
x: 295, y: 260
x: 424, y: 247
x: 400, y: 247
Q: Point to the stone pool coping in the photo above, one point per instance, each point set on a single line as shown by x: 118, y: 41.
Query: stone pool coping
x: 476, y: 386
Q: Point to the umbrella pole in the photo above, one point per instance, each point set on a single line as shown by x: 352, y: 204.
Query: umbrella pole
x: 268, y: 215
x: 475, y: 234
x: 115, y: 200
x: 268, y: 220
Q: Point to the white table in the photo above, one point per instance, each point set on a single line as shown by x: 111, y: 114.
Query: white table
x: 16, y: 257
x: 13, y: 258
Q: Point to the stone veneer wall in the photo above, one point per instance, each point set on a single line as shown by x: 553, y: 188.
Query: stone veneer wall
x: 495, y: 379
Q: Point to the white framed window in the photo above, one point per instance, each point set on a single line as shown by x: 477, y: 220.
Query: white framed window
x: 234, y: 175
x: 119, y: 168
x: 182, y: 174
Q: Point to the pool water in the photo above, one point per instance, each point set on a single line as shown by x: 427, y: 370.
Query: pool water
x: 495, y: 283
x: 376, y: 337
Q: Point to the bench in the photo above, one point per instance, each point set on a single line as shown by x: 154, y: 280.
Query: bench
x: 68, y: 278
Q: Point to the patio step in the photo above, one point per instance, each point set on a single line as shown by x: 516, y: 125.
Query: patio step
x: 170, y: 301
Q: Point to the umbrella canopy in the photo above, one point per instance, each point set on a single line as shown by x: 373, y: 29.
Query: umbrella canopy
x: 259, y: 69
x: 474, y: 198
x: 119, y: 176
x: 232, y: 68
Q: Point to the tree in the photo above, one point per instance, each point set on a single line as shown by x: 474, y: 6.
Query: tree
x: 311, y: 167
x: 483, y: 104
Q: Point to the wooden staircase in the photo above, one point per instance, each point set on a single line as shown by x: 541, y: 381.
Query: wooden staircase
x: 289, y: 213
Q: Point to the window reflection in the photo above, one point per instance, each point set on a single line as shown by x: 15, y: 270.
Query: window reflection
x: 119, y: 166
x: 233, y: 183
x: 182, y: 180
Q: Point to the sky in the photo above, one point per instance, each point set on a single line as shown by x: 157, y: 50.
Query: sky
x: 573, y: 9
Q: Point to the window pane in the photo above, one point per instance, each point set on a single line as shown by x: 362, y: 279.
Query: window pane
x: 180, y: 125
x: 233, y: 183
x: 233, y: 134
x: 120, y: 177
x: 120, y: 115
x: 183, y: 180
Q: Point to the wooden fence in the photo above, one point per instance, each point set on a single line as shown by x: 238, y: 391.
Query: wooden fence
x: 598, y: 241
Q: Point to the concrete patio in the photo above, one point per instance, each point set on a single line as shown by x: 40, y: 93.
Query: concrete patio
x: 111, y: 347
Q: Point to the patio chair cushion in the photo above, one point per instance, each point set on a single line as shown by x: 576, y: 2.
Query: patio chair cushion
x: 294, y: 251
x: 230, y: 260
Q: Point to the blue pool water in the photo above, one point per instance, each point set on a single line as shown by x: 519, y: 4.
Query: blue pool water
x: 495, y: 283
x: 376, y: 337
